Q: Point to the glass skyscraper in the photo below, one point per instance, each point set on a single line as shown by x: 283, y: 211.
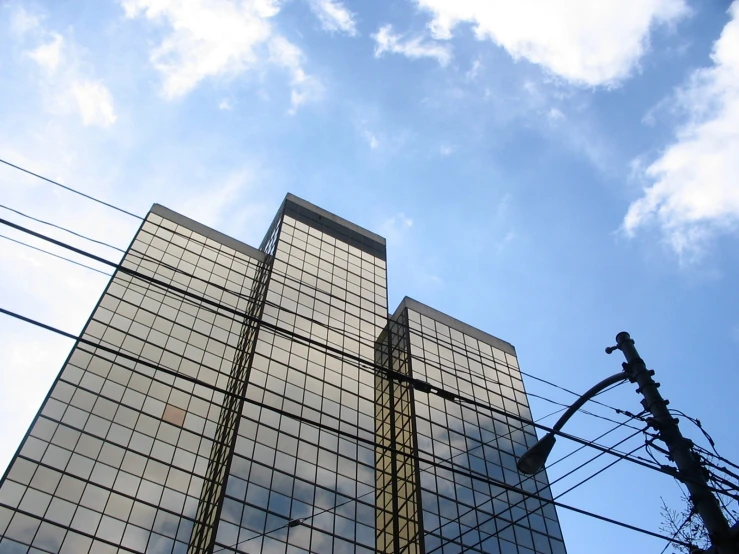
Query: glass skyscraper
x: 224, y: 398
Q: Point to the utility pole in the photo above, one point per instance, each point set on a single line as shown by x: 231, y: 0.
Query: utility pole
x: 689, y: 467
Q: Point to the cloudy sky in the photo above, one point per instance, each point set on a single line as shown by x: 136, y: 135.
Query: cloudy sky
x: 550, y: 171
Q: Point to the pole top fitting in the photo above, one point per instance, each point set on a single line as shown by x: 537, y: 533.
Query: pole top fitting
x: 623, y: 337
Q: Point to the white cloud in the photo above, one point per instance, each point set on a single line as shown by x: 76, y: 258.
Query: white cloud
x: 554, y: 115
x: 95, y: 103
x: 584, y: 41
x: 206, y: 39
x: 446, y: 150
x: 694, y: 192
x: 395, y: 228
x: 232, y: 202
x: 49, y: 55
x: 23, y: 22
x: 225, y: 105
x: 305, y: 87
x: 474, y: 71
x: 372, y: 140
x: 334, y: 16
x: 508, y: 238
x: 219, y: 38
x: 413, y: 48
x: 67, y: 87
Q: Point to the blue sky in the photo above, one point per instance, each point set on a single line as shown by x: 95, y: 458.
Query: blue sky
x: 551, y: 172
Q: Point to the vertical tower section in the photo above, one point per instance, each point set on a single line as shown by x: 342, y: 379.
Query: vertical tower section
x: 467, y: 454
x: 302, y: 477
x: 399, y: 525
x: 214, y: 487
x: 120, y: 455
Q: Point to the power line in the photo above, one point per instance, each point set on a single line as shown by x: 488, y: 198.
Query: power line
x: 521, y: 481
x: 470, y: 474
x: 299, y: 340
x: 727, y: 471
x: 440, y: 340
x: 677, y: 532
x: 273, y: 304
x: 139, y: 217
x: 290, y: 523
x: 303, y: 520
x: 716, y: 456
x: 70, y: 189
x: 565, y: 389
x: 364, y: 364
x: 142, y: 255
x: 552, y: 501
x: 55, y: 255
x: 62, y: 228
x: 699, y: 425
x: 109, y: 205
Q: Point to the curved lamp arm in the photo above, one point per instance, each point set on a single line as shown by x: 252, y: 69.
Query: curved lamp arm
x: 535, y: 457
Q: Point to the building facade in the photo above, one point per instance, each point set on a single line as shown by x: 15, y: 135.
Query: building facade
x: 224, y: 398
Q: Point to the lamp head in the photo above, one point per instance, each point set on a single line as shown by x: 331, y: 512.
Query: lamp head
x: 535, y: 457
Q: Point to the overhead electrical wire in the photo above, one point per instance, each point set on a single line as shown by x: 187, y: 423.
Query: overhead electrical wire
x: 55, y: 255
x: 290, y: 523
x: 549, y: 485
x: 142, y: 218
x: 364, y: 364
x: 671, y: 540
x: 70, y: 189
x: 339, y: 432
x: 300, y: 521
x: 725, y: 470
x: 306, y: 518
x: 142, y: 255
x: 553, y: 501
x: 61, y: 228
x: 239, y: 295
x: 337, y: 357
x: 343, y: 331
x: 717, y: 457
x: 453, y: 396
x: 168, y: 287
x: 468, y: 473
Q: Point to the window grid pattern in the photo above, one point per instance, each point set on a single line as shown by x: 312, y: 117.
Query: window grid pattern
x: 116, y: 459
x: 225, y: 440
x: 460, y: 513
x: 397, y: 510
x: 220, y: 439
x: 285, y: 470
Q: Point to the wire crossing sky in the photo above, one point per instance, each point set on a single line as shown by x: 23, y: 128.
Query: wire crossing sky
x: 552, y: 172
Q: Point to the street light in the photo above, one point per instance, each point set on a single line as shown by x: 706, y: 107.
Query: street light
x: 690, y: 470
x: 535, y: 457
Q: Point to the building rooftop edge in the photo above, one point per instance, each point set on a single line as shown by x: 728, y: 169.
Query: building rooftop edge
x: 208, y: 232
x: 335, y: 218
x: 460, y: 326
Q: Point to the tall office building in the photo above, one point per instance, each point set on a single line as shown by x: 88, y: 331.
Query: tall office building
x: 224, y: 398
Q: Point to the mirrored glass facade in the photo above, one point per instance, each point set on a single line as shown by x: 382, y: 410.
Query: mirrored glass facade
x: 469, y: 508
x: 224, y: 398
